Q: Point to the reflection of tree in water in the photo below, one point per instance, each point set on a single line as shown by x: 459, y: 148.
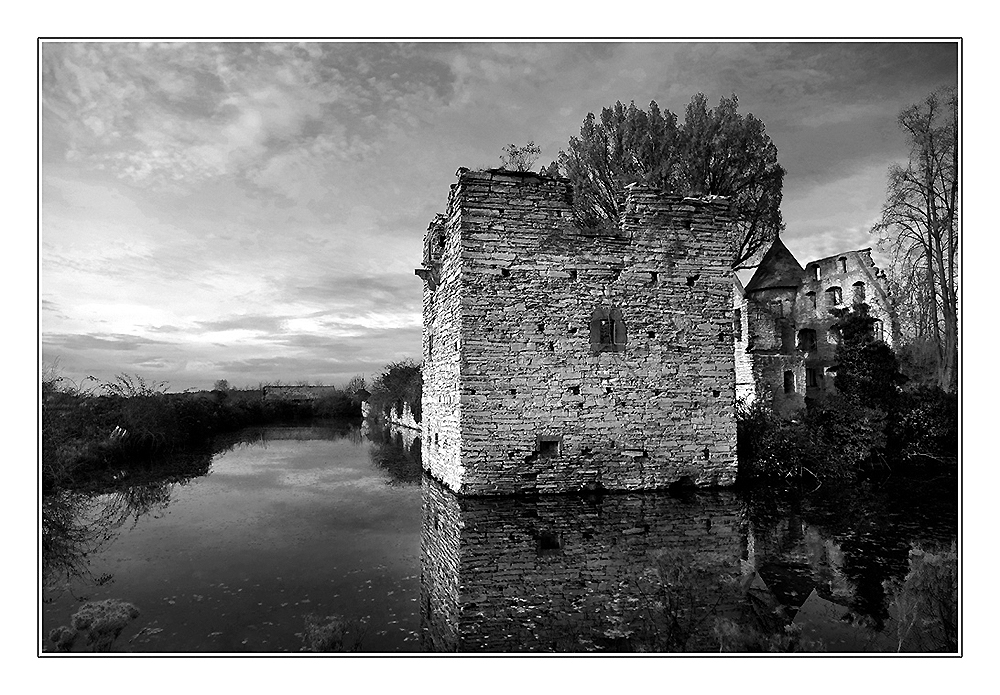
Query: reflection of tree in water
x: 390, y: 452
x: 77, y: 523
x: 875, y: 525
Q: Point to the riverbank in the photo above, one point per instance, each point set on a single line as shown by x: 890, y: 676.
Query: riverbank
x: 84, y: 433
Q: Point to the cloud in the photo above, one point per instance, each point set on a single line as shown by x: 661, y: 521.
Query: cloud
x: 174, y: 114
x: 93, y: 341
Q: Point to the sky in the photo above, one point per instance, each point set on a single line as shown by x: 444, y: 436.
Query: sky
x: 254, y: 211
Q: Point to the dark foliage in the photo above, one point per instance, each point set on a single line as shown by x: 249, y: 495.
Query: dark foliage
x: 401, y: 383
x: 869, y: 423
x: 713, y: 152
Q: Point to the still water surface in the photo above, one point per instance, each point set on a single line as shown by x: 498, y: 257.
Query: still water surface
x: 292, y: 526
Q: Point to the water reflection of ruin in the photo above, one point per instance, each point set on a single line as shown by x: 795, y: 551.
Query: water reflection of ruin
x: 572, y: 573
x: 657, y: 572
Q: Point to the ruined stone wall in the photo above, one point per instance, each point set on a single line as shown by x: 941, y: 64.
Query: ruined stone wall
x: 780, y: 321
x: 846, y: 271
x: 769, y: 375
x: 533, y: 407
x: 442, y: 305
x: 563, y: 573
x: 745, y: 384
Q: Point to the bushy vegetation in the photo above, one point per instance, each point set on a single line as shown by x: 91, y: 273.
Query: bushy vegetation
x: 93, y: 427
x: 401, y: 383
x: 926, y: 602
x: 98, y: 623
x: 871, y: 421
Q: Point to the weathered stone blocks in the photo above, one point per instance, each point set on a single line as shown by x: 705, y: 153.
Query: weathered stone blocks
x: 515, y: 352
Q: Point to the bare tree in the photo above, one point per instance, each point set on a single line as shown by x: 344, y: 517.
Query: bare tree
x: 919, y: 229
x: 519, y: 158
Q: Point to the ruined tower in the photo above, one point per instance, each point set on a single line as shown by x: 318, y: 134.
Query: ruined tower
x: 558, y: 358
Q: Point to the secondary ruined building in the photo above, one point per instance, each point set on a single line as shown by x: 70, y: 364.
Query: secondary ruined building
x: 558, y: 358
x: 783, y: 323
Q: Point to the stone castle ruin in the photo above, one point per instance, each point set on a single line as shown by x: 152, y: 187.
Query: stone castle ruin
x: 560, y: 359
x: 783, y: 324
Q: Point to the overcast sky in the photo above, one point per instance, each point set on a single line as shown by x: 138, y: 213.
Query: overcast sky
x: 254, y: 212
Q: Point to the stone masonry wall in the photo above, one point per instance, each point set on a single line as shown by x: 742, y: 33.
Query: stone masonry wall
x: 562, y: 573
x: 745, y: 384
x: 515, y: 398
x: 845, y: 271
x: 442, y: 300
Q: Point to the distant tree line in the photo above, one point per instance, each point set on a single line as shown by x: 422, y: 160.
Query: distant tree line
x: 93, y: 426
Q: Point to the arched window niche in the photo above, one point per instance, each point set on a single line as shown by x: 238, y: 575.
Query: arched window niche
x: 607, y: 330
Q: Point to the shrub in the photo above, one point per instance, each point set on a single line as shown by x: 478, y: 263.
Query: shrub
x: 401, y: 383
x: 100, y: 621
x: 928, y: 424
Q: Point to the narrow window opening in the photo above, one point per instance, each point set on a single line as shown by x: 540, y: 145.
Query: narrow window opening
x: 572, y: 274
x: 816, y: 272
x: 653, y: 278
x: 859, y: 292
x: 813, y: 376
x: 706, y: 453
x: 549, y: 541
x: 548, y: 447
x: 812, y: 300
x: 435, y: 439
x: 738, y: 324
x: 789, y: 382
x: 715, y: 393
x: 787, y: 338
x: 834, y: 296
x: 843, y: 264
x: 878, y: 331
x: 552, y: 347
x: 607, y: 331
x: 541, y: 327
x: 807, y: 340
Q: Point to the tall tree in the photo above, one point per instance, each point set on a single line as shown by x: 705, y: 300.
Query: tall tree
x: 713, y: 152
x: 919, y: 229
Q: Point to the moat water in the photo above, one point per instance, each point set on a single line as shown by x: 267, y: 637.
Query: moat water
x: 330, y: 538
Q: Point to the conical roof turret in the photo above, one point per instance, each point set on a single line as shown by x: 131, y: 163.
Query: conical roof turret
x: 778, y: 269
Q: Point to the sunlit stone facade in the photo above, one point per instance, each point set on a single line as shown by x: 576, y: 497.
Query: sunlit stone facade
x: 558, y: 358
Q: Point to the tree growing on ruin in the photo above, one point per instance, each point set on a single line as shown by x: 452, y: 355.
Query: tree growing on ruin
x: 919, y: 230
x: 712, y: 152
